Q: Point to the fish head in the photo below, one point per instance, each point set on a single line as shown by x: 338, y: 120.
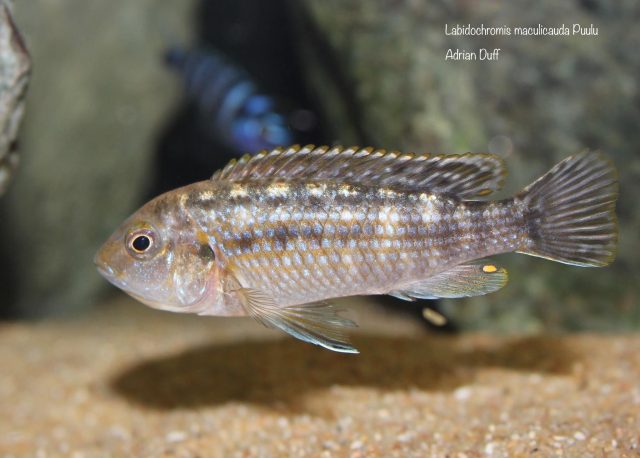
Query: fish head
x: 161, y: 257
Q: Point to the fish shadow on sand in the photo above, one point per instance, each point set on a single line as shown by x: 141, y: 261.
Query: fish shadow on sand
x: 280, y: 373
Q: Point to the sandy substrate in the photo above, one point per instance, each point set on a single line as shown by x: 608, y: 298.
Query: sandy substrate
x: 127, y: 381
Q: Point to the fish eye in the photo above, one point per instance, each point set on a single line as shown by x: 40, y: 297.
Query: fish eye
x: 140, y: 242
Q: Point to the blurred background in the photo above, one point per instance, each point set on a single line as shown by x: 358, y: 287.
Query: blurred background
x: 125, y: 102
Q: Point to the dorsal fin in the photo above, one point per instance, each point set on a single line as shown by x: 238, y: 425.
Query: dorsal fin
x: 464, y: 175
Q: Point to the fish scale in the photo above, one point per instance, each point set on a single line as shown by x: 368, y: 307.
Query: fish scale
x: 399, y: 235
x: 275, y: 235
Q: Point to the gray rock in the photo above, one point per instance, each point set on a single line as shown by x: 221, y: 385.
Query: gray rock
x: 545, y: 98
x: 15, y: 67
x: 98, y: 95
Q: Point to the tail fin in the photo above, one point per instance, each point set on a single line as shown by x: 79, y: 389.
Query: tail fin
x: 571, y: 217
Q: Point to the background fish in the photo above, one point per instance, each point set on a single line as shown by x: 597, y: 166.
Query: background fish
x: 274, y: 235
x: 230, y: 103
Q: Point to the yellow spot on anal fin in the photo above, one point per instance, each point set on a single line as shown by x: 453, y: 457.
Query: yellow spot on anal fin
x: 434, y: 317
x: 489, y: 268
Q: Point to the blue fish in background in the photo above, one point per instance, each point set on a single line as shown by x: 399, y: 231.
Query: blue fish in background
x: 230, y: 102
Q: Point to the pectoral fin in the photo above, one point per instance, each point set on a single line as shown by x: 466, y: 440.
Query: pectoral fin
x: 317, y: 323
x: 463, y: 280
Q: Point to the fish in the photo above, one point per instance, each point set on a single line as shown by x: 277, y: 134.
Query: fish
x: 277, y: 235
x: 229, y: 101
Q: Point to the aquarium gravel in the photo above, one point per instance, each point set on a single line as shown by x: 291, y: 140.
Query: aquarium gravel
x: 127, y: 381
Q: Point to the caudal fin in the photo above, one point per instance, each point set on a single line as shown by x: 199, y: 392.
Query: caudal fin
x: 571, y: 212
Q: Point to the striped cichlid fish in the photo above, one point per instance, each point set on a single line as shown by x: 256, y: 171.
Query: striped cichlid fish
x: 275, y: 235
x: 229, y: 101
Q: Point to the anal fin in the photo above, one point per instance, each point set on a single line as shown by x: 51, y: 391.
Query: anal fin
x: 464, y: 280
x: 317, y: 323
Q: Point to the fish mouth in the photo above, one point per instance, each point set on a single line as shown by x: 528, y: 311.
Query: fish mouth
x: 105, y: 269
x: 107, y: 272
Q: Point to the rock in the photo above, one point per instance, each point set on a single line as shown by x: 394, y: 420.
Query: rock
x: 542, y: 100
x: 15, y: 68
x: 98, y: 95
